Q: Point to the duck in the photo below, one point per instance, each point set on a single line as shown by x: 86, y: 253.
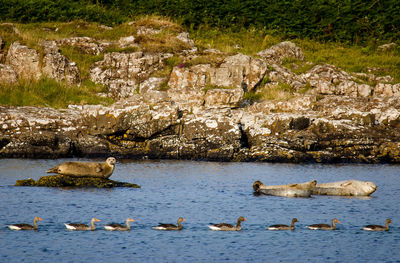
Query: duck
x: 75, y: 226
x: 162, y: 226
x: 283, y: 227
x: 119, y: 227
x: 324, y: 226
x: 228, y: 227
x: 378, y: 227
x: 26, y: 226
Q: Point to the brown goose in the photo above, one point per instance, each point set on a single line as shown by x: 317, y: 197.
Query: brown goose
x: 378, y: 227
x: 75, y: 226
x: 283, y: 227
x: 119, y: 227
x: 324, y: 226
x: 26, y: 226
x: 228, y: 227
x: 162, y: 226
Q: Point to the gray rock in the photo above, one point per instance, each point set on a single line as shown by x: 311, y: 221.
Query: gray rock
x: 278, y: 52
x: 88, y: 45
x: 123, y: 72
x: 7, y: 74
x: 387, y: 47
x: 57, y: 66
x: 24, y: 61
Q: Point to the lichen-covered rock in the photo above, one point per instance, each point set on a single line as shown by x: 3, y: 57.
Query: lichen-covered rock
x: 223, y: 97
x: 284, y: 75
x: 123, y: 72
x: 330, y: 80
x: 387, y: 47
x: 68, y: 181
x: 7, y: 74
x: 387, y: 90
x: 59, y: 67
x: 24, y: 61
x: 238, y: 71
x: 125, y: 42
x: 278, y: 52
x: 88, y: 45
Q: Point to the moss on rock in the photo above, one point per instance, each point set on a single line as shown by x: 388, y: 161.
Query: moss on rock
x: 67, y: 181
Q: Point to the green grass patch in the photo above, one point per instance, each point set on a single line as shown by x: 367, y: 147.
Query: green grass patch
x: 352, y: 58
x: 50, y: 93
x: 246, y: 41
x: 83, y: 60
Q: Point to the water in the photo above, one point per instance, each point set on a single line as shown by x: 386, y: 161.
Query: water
x: 201, y: 192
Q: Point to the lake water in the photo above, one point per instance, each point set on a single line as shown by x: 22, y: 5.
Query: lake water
x: 202, y: 193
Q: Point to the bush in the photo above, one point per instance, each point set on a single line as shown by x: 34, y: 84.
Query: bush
x: 353, y: 21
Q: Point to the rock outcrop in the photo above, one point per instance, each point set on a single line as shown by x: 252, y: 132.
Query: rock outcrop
x: 204, y: 109
x: 122, y: 73
x: 24, y: 61
x: 67, y: 181
x: 57, y: 66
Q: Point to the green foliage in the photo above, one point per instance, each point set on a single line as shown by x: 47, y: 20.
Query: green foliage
x: 353, y: 21
x: 253, y: 96
x: 49, y: 93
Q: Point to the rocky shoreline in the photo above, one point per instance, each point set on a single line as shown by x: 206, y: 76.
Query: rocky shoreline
x: 203, y: 114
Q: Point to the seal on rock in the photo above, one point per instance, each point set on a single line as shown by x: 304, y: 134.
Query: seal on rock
x: 345, y: 188
x: 81, y: 169
x: 288, y: 190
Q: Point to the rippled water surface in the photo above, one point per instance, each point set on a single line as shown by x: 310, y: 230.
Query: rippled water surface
x: 201, y: 192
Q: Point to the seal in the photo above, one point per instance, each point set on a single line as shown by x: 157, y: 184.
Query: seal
x: 88, y: 169
x: 345, y: 188
x: 287, y: 190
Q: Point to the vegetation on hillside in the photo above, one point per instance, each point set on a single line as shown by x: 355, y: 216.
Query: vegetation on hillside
x: 46, y: 92
x: 355, y: 21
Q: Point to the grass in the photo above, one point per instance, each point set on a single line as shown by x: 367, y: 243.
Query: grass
x: 49, y: 93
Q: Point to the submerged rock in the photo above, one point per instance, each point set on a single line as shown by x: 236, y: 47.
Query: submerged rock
x: 67, y: 181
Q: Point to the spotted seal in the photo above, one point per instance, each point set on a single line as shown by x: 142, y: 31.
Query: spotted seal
x: 89, y: 169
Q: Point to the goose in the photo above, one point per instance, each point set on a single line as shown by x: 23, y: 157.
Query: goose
x: 119, y: 227
x: 324, y: 226
x: 75, y: 226
x: 26, y: 226
x: 283, y: 227
x: 228, y: 227
x: 162, y: 226
x: 378, y: 227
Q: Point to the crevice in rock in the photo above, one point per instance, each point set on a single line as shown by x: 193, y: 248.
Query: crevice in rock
x: 244, y: 140
x: 4, y: 142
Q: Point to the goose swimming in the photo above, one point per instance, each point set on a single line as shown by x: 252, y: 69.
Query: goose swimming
x: 162, y: 226
x: 77, y: 226
x: 119, y: 227
x: 283, y: 227
x: 324, y: 226
x: 378, y: 227
x: 26, y: 226
x: 228, y: 227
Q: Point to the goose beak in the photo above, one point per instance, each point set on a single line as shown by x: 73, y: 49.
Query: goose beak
x: 131, y: 220
x: 97, y: 220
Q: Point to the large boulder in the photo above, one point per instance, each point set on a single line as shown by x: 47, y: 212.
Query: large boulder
x: 7, y: 74
x: 123, y: 72
x: 278, y: 52
x: 239, y: 71
x: 330, y: 80
x: 88, y: 45
x: 223, y: 97
x: 59, y: 67
x: 24, y: 61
